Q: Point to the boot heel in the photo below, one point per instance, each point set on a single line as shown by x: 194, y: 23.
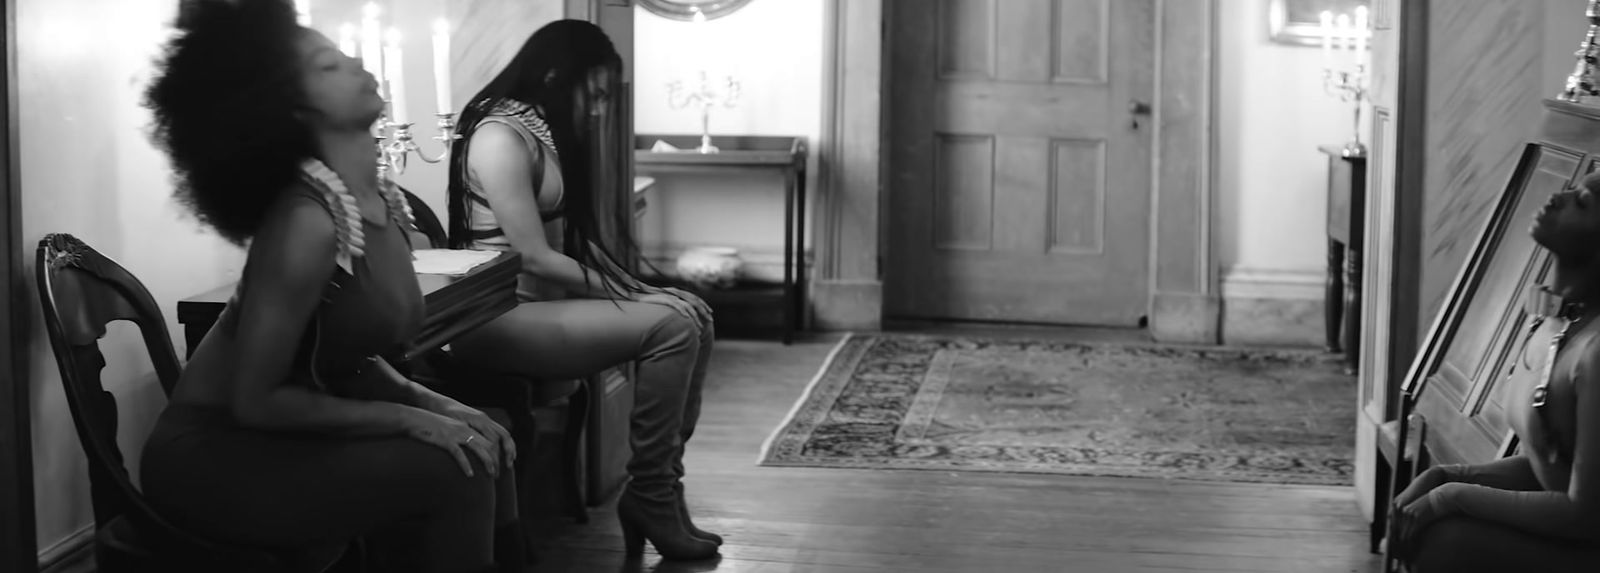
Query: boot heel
x: 658, y: 522
x: 632, y: 539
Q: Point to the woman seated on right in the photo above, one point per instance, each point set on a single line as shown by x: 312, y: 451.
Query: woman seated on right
x: 1540, y: 509
x: 521, y: 180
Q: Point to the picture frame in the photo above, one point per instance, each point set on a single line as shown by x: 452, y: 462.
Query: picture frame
x: 1295, y: 22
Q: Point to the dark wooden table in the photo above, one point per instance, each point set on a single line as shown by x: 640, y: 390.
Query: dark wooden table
x: 785, y: 156
x: 1347, y: 204
x: 455, y: 304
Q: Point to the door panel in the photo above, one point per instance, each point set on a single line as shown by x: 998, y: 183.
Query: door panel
x: 1020, y: 160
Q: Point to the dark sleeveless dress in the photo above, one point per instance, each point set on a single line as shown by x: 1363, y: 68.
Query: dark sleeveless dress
x: 295, y: 489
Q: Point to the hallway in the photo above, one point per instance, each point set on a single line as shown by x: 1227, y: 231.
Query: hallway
x: 800, y: 519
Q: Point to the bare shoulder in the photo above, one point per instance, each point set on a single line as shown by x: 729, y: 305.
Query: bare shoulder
x: 495, y: 141
x: 296, y: 228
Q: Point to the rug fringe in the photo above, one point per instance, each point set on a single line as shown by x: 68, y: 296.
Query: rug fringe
x: 804, y: 397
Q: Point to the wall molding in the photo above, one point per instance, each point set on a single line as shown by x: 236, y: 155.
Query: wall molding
x: 1185, y: 306
x: 847, y: 278
x: 1273, y: 307
x: 66, y: 554
x: 1245, y: 282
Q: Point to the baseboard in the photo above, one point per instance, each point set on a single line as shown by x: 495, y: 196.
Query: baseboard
x: 1270, y: 307
x: 760, y: 263
x: 70, y: 554
x: 1187, y: 318
x: 847, y: 305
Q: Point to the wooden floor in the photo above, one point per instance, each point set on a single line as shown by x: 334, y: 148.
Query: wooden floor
x: 821, y: 520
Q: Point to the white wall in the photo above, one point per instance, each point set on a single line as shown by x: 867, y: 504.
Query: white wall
x: 88, y: 169
x: 774, y: 48
x: 1271, y: 181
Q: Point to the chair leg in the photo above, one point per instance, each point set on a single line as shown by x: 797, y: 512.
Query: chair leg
x: 572, y: 442
x: 1381, y: 502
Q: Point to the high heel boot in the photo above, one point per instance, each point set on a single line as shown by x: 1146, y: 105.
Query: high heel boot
x: 648, y: 508
x: 691, y: 418
x: 659, y: 522
x: 683, y: 513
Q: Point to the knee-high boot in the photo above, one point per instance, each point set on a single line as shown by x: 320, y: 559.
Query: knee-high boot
x: 691, y: 418
x: 648, y: 508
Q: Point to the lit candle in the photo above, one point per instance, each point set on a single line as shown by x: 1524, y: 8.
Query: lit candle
x: 347, y: 39
x: 392, y: 69
x: 1327, y: 39
x: 1360, y: 34
x: 1342, y: 23
x: 371, y: 42
x: 302, y: 9
x: 441, y: 66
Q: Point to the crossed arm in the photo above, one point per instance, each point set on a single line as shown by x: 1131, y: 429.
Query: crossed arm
x: 1507, y: 492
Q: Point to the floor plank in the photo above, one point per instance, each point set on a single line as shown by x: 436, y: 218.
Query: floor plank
x: 823, y: 520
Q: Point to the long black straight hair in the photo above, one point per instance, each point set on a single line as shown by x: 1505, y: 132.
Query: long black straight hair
x: 550, y: 72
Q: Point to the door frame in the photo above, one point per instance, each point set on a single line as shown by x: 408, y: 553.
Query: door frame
x: 852, y: 216
x: 19, y: 545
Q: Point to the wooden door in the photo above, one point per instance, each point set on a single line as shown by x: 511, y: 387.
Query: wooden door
x: 19, y: 550
x: 1020, y: 133
x: 1392, y: 20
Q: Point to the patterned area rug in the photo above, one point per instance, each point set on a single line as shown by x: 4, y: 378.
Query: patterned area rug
x: 936, y: 403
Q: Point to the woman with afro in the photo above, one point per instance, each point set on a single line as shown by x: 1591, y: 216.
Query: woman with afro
x: 288, y: 430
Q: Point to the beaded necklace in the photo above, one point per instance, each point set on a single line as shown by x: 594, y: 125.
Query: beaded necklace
x: 528, y: 116
x: 347, y: 227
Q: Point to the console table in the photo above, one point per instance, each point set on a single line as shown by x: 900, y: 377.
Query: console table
x: 785, y: 156
x: 1347, y: 201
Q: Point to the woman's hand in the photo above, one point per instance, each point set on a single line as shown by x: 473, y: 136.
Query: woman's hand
x: 702, y: 310
x: 453, y: 436
x: 671, y: 301
x: 1412, y: 519
x: 498, y: 436
x: 1429, y: 479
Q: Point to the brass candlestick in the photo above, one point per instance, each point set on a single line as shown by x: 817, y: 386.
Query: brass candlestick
x: 1349, y: 86
x: 1581, y: 83
x: 706, y: 97
x: 396, y: 152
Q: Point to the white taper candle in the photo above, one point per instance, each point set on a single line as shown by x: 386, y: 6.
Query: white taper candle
x: 393, y: 70
x: 441, y: 66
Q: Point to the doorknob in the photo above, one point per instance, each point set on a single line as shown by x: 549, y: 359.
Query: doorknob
x: 1137, y: 108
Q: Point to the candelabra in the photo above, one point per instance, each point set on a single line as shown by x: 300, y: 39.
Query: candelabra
x: 1350, y: 86
x: 400, y: 145
x: 706, y: 97
x: 1582, y: 81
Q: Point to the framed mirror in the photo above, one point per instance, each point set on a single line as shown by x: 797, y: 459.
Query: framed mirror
x: 1295, y: 21
x: 684, y: 9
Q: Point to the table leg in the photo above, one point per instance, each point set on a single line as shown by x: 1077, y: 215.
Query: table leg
x: 1333, y: 298
x: 801, y: 287
x: 1352, y: 310
x: 788, y: 256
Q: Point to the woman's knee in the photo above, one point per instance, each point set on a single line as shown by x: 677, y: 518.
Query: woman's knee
x: 673, y: 330
x: 1455, y: 544
x: 441, y: 479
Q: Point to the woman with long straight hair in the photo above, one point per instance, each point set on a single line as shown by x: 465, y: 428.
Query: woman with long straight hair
x: 523, y: 178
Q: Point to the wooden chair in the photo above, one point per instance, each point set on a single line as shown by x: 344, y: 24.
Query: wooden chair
x: 518, y: 396
x: 81, y: 292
